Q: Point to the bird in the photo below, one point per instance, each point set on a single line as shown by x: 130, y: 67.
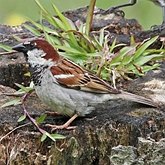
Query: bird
x: 66, y: 87
x: 160, y: 3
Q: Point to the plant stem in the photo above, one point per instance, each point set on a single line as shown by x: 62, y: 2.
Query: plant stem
x: 90, y: 17
x: 28, y: 115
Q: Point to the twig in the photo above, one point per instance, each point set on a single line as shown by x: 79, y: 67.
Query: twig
x: 13, y: 94
x: 32, y: 120
x: 6, y: 53
x: 28, y: 115
x: 13, y: 130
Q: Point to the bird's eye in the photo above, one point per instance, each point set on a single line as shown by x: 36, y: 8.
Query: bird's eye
x: 30, y: 45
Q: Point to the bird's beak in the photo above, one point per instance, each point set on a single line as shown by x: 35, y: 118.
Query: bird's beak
x: 20, y: 48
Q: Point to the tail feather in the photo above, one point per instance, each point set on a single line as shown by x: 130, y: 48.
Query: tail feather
x: 137, y: 98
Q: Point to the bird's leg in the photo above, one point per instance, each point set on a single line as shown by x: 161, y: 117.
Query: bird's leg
x: 64, y: 126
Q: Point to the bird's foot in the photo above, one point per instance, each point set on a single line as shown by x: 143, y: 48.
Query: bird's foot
x: 64, y: 126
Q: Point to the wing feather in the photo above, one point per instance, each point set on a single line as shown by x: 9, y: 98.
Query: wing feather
x: 71, y: 75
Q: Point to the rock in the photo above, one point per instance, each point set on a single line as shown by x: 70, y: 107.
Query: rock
x: 147, y: 152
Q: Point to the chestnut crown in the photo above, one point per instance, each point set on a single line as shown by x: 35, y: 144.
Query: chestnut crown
x: 40, y: 44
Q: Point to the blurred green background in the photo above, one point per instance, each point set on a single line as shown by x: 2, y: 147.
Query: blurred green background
x: 13, y: 12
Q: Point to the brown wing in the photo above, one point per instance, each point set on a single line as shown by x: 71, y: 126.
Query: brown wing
x: 73, y: 76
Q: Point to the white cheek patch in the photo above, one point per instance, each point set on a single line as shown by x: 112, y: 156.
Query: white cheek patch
x: 36, y: 53
x: 35, y: 57
x: 63, y: 76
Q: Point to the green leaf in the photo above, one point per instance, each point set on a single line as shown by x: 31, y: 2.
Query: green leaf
x: 16, y: 101
x: 148, y: 68
x: 144, y: 47
x: 62, y: 17
x: 54, y: 137
x: 66, y: 24
x: 33, y: 30
x: 58, y: 136
x: 23, y: 117
x: 43, y: 137
x: 26, y: 89
x: 113, y: 45
x: 68, y: 49
x: 5, y: 47
x: 41, y: 119
x: 41, y: 7
x: 20, y: 92
x: 50, y: 136
x: 144, y: 59
x: 119, y: 57
x: 126, y: 60
x: 53, y: 40
x: 51, y: 20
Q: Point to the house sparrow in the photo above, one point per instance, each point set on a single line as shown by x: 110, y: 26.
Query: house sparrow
x: 65, y: 86
x: 160, y: 3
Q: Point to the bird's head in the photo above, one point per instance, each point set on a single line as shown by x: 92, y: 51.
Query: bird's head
x: 38, y: 52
